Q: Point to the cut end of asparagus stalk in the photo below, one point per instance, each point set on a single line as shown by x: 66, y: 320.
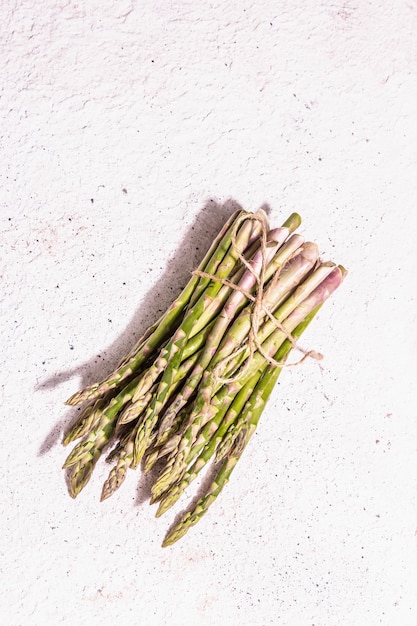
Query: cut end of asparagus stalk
x: 293, y: 222
x: 310, y: 251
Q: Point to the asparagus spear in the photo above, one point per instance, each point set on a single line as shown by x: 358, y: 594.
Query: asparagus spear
x: 118, y: 473
x: 80, y: 473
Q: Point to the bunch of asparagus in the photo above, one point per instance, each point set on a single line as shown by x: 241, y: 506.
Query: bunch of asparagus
x: 193, y: 388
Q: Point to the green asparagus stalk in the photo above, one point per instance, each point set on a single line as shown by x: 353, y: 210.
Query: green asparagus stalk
x: 191, y: 518
x: 80, y: 472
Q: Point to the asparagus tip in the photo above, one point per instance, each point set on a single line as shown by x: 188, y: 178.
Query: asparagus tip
x: 75, y: 399
x: 159, y: 512
x: 150, y: 460
x: 76, y: 483
x: 173, y: 536
x: 165, y: 504
x: 106, y: 492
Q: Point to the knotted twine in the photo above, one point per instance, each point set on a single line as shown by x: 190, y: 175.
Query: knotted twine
x: 258, y: 309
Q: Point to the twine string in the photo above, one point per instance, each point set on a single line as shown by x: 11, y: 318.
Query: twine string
x: 258, y: 310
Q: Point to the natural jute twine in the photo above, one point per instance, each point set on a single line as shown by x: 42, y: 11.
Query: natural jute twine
x: 259, y: 309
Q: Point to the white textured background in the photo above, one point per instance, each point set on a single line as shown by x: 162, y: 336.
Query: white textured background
x: 129, y: 130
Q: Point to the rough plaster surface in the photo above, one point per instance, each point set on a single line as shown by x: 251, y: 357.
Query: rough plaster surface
x: 129, y: 130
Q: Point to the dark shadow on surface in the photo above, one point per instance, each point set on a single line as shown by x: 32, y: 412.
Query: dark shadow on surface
x: 191, y: 250
x: 143, y: 491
